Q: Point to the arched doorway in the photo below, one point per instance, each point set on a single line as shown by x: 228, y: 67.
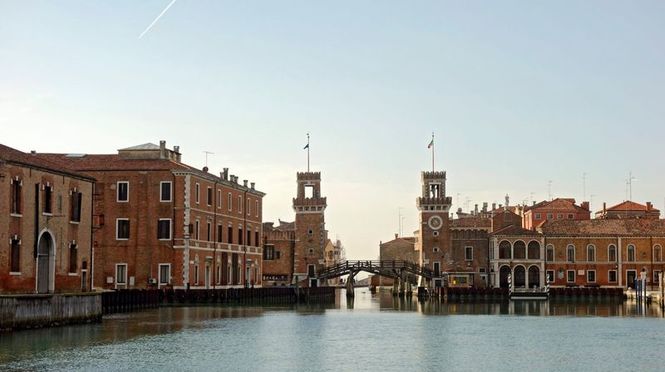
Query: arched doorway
x: 534, y: 277
x: 44, y: 264
x: 519, y: 277
x: 503, y: 276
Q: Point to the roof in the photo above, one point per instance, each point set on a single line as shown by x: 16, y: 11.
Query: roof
x: 14, y: 156
x: 630, y: 206
x: 402, y: 239
x: 146, y: 146
x: 605, y: 227
x: 563, y: 204
x: 513, y: 230
x: 471, y: 222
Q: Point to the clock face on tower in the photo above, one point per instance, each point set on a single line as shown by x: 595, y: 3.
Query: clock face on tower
x: 435, y: 222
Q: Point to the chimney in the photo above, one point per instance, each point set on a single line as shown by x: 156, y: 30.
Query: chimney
x: 162, y: 149
x: 507, y: 200
x: 534, y: 203
x: 33, y: 152
x: 205, y: 169
x: 396, y: 235
x: 244, y: 183
x: 252, y: 184
x: 649, y: 206
x: 585, y: 205
x: 176, y: 150
x: 485, y: 207
x: 225, y: 176
x: 476, y: 209
x: 604, y: 207
x: 493, y: 206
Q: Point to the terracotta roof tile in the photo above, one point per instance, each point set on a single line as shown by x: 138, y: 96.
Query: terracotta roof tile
x: 513, y: 230
x: 34, y: 160
x: 471, y: 222
x: 630, y: 206
x: 605, y: 227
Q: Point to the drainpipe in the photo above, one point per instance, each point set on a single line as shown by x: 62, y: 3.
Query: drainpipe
x: 173, y: 208
x: 244, y: 246
x: 36, y: 237
x: 92, y: 242
x: 214, y: 232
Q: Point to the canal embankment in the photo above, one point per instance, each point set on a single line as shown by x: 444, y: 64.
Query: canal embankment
x: 45, y: 310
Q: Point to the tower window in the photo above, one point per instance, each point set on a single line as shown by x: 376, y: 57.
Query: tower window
x: 309, y: 191
x: 434, y: 190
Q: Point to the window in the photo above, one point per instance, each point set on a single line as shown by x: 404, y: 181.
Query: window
x: 550, y: 276
x: 550, y: 253
x: 249, y: 236
x: 75, y: 206
x: 435, y: 249
x: 591, y: 276
x: 538, y: 216
x: 256, y: 210
x: 229, y: 234
x: 612, y: 276
x: 122, y: 189
x: 230, y: 202
x: 240, y: 235
x: 197, y: 230
x: 164, y: 274
x: 197, y: 193
x: 657, y: 253
x: 533, y: 250
x: 519, y: 250
x: 256, y: 239
x: 122, y: 228
x: 219, y: 274
x: 165, y: 193
x: 559, y: 216
x: 73, y: 257
x: 249, y: 207
x: 590, y: 253
x: 220, y: 228
x: 269, y: 252
x: 164, y: 229
x: 16, y: 187
x: 15, y: 257
x: 505, y: 250
x: 209, y: 196
x: 570, y: 253
x: 219, y: 199
x: 571, y: 276
x: 240, y: 204
x: 468, y: 253
x: 437, y: 268
x: 550, y: 216
x: 656, y: 276
x: 196, y: 274
x: 121, y: 274
x: 571, y: 216
x: 631, y: 252
x: 611, y: 253
x: 48, y: 199
x: 311, y: 271
x: 209, y: 232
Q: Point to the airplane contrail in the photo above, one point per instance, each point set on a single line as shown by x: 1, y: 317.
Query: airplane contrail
x: 157, y: 19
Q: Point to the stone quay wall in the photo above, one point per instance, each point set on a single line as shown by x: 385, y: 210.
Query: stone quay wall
x: 36, y: 311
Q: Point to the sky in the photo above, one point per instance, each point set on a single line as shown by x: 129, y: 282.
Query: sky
x: 518, y: 93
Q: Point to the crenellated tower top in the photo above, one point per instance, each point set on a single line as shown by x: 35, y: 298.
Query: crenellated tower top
x: 433, y: 196
x: 309, y: 199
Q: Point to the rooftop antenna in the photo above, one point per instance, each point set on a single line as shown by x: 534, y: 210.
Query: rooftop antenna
x: 399, y: 221
x: 549, y: 189
x: 591, y: 201
x: 630, y: 185
x: 208, y: 153
x: 584, y: 186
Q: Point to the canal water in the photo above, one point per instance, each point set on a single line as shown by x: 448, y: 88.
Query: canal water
x: 373, y: 333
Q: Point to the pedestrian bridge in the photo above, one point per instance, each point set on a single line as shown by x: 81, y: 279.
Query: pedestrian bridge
x: 398, y: 270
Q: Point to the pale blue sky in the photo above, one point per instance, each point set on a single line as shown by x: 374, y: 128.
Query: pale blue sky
x: 518, y: 93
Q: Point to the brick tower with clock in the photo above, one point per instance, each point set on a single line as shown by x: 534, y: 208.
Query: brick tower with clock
x: 311, y: 234
x: 434, y: 242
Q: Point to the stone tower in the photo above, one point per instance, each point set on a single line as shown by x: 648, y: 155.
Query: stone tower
x: 434, y: 240
x: 311, y: 234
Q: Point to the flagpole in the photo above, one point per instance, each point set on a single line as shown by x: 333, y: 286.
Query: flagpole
x: 308, y: 152
x: 432, y: 151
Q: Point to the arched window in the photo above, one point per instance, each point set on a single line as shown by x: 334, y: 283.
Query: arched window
x: 612, y: 253
x: 550, y: 254
x: 590, y: 253
x: 533, y: 250
x: 570, y: 253
x: 504, y: 250
x: 657, y: 253
x: 631, y: 253
x: 519, y: 250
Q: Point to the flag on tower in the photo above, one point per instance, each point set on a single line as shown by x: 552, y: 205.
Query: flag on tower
x: 306, y: 147
x: 431, y: 143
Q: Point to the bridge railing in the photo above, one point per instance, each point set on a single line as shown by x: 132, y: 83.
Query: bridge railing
x: 346, y: 267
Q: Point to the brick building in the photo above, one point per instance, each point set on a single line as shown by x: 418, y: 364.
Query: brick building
x: 301, y: 244
x: 45, y: 225
x: 557, y: 209
x: 604, y: 252
x: 629, y: 209
x: 159, y: 222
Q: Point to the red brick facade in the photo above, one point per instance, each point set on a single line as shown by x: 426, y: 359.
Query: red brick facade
x: 45, y: 226
x: 557, y: 209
